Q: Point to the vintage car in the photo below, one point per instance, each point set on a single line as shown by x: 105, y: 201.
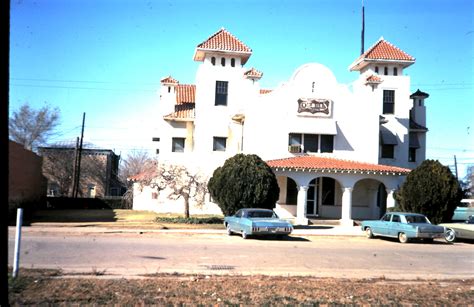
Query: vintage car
x: 255, y: 221
x: 404, y: 226
x: 463, y: 211
x: 462, y: 230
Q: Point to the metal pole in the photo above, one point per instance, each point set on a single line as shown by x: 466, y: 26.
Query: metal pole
x: 16, y: 259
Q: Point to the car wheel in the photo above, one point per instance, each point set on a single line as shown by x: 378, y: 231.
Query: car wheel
x: 245, y: 235
x: 369, y: 233
x: 229, y: 231
x: 450, y: 235
x: 402, y: 237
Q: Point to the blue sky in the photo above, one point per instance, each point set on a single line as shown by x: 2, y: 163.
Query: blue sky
x: 106, y: 57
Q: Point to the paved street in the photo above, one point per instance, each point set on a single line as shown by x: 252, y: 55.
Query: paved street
x: 129, y: 254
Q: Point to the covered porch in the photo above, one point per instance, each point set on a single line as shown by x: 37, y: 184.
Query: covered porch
x: 320, y: 187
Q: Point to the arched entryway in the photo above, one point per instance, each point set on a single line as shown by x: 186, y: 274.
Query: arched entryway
x: 323, y: 198
x: 369, y: 199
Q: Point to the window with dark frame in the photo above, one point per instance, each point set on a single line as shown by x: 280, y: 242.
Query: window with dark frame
x: 221, y: 93
x: 304, y: 142
x: 376, y: 69
x: 385, y: 70
x: 412, y: 154
x: 232, y: 62
x: 223, y: 62
x: 213, y: 61
x: 219, y: 143
x: 388, y: 102
x: 395, y: 71
x: 388, y: 151
x: 177, y: 144
x: 327, y: 143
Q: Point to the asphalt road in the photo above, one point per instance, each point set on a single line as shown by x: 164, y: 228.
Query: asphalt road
x: 349, y: 257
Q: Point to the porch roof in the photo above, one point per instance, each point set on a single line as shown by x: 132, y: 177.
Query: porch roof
x: 325, y: 164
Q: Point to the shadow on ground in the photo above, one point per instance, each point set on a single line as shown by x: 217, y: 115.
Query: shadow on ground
x: 73, y: 216
x: 312, y: 227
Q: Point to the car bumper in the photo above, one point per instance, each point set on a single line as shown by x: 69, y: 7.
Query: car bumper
x: 429, y: 235
x: 271, y: 230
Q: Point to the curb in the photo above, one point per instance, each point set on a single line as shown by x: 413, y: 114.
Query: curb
x: 334, y: 231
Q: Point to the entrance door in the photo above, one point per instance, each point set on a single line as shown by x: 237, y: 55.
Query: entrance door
x: 312, y: 198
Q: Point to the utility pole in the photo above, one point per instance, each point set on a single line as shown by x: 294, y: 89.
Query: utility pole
x: 456, y: 167
x: 74, y: 169
x: 362, y: 35
x: 78, y: 171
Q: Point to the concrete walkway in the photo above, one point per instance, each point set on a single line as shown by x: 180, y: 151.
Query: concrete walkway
x: 313, y: 230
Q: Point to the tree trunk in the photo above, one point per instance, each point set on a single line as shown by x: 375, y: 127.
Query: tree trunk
x: 186, y: 206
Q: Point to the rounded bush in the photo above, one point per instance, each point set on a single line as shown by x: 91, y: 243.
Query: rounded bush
x: 244, y: 181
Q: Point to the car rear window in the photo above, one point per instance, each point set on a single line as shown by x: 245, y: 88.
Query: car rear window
x: 260, y: 214
x: 416, y: 219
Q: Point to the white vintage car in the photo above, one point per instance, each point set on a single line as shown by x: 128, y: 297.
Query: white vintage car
x: 461, y: 230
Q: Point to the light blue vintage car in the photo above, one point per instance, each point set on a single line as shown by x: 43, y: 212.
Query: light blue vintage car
x: 404, y: 226
x: 255, y: 221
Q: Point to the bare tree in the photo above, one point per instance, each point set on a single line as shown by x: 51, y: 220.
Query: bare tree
x: 181, y: 182
x: 58, y: 169
x: 31, y: 127
x: 137, y: 162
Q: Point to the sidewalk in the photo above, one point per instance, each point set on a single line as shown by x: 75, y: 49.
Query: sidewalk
x: 313, y: 230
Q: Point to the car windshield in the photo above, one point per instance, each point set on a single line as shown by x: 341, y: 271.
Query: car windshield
x: 419, y: 219
x: 260, y: 214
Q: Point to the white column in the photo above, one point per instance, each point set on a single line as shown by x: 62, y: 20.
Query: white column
x: 390, y: 199
x: 301, y: 206
x: 346, y: 210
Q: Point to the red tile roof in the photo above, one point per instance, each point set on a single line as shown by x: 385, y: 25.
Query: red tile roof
x: 374, y: 79
x: 185, y: 93
x: 185, y: 103
x: 252, y: 73
x: 169, y: 80
x: 184, y: 111
x: 222, y: 40
x: 147, y: 175
x: 383, y: 51
x: 314, y: 163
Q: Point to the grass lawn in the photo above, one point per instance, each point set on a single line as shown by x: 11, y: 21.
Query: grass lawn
x: 113, y: 218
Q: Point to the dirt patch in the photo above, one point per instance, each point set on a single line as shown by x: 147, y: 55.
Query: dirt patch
x: 50, y: 287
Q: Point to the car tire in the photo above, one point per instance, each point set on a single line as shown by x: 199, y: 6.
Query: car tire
x: 450, y: 235
x: 402, y: 237
x: 229, y: 231
x: 369, y: 233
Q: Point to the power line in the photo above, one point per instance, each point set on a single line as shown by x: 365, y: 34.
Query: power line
x: 84, y: 88
x: 85, y: 81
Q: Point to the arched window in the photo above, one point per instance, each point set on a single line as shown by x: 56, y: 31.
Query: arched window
x: 232, y: 62
x: 395, y: 71
x: 376, y: 69
x: 213, y: 61
x: 223, y: 62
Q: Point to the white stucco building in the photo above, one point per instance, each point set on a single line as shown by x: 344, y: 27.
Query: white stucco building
x: 338, y: 151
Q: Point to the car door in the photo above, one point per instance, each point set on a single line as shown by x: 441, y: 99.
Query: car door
x: 383, y: 225
x: 234, y: 221
x: 395, y: 226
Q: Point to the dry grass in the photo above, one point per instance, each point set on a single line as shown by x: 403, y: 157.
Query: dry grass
x: 46, y: 287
